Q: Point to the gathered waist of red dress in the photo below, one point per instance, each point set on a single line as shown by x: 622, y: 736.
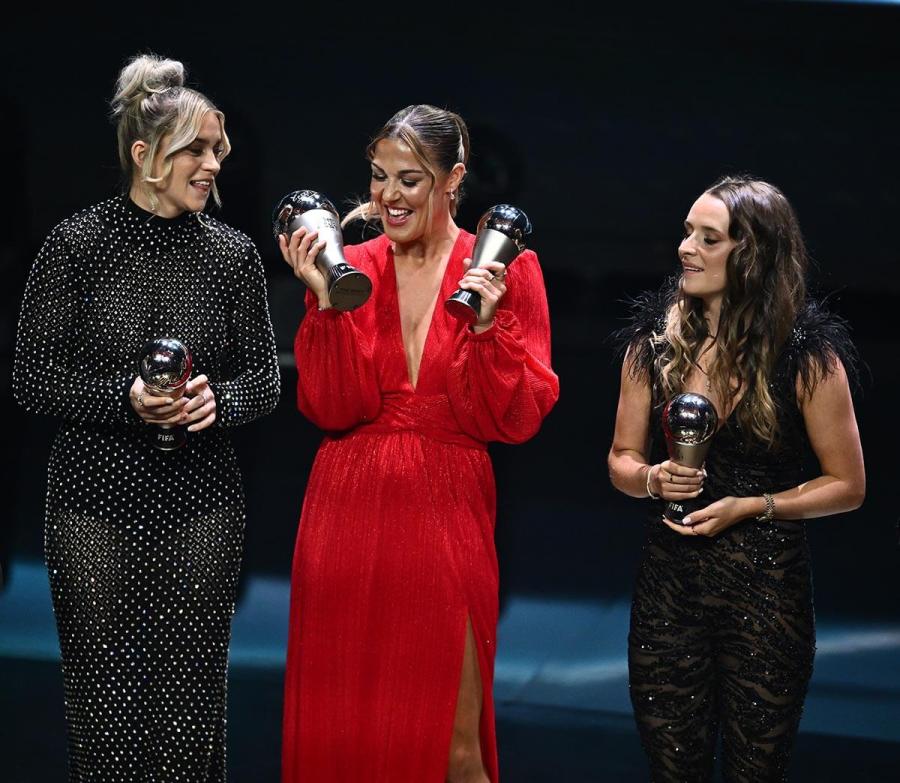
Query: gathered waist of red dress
x: 429, y: 415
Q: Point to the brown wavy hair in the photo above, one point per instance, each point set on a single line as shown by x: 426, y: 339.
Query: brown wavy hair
x: 764, y: 292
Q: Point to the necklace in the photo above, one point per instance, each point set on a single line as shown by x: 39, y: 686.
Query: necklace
x: 700, y: 367
x: 705, y: 375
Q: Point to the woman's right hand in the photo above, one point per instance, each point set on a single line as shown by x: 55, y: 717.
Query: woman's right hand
x: 673, y: 481
x: 153, y: 409
x: 300, y: 251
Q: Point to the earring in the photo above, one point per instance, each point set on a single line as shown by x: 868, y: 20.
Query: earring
x: 452, y: 195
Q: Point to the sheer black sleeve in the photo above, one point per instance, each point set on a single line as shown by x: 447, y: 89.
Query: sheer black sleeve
x: 52, y: 372
x: 253, y: 384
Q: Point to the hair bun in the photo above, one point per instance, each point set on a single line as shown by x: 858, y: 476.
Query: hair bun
x: 144, y: 75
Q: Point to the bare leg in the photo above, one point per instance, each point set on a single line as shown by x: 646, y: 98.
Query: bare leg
x: 465, y: 764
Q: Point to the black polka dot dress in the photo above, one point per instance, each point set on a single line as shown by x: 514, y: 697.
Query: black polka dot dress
x: 143, y: 546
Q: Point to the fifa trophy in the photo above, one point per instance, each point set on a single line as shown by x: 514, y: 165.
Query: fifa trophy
x: 689, y: 422
x: 348, y: 288
x: 500, y: 237
x: 165, y: 367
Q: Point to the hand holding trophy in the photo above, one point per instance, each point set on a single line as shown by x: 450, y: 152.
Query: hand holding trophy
x: 348, y: 288
x: 165, y: 366
x: 500, y: 237
x: 689, y: 422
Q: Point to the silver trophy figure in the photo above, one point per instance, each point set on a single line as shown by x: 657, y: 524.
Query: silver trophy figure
x: 689, y: 422
x: 348, y: 288
x: 500, y: 237
x: 165, y: 367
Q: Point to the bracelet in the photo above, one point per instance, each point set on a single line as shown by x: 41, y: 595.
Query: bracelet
x: 769, y: 514
x: 650, y: 492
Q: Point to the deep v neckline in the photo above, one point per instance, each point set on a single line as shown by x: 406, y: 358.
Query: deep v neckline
x: 442, y: 293
x: 723, y: 421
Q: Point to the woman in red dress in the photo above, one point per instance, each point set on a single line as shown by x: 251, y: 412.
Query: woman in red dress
x: 394, y: 585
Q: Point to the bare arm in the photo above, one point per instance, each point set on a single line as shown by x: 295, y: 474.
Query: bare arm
x: 831, y: 426
x: 834, y: 436
x: 629, y: 454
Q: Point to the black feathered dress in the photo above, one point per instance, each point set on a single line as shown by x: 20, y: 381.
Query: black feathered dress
x: 722, y: 631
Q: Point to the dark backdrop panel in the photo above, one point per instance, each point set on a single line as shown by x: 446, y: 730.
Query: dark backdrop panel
x: 604, y: 131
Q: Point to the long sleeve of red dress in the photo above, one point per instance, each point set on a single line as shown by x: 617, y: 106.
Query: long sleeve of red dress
x: 336, y: 383
x: 500, y: 383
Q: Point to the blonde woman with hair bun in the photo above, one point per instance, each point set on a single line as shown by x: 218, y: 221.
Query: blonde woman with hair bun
x: 143, y: 546
x: 158, y: 120
x: 394, y: 589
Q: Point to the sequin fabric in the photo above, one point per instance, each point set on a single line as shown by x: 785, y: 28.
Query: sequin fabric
x: 142, y: 546
x: 722, y: 632
x: 395, y: 550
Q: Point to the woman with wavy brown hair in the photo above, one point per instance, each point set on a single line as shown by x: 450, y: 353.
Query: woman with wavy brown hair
x: 722, y: 633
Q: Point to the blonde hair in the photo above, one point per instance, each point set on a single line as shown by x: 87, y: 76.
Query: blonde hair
x: 151, y: 104
x: 438, y: 138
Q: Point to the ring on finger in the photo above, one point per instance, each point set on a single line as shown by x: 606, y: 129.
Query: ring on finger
x: 140, y: 399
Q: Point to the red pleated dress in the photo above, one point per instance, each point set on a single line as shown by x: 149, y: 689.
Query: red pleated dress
x: 395, y: 550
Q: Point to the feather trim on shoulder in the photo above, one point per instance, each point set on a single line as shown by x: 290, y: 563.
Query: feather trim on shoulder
x: 646, y: 320
x: 819, y: 337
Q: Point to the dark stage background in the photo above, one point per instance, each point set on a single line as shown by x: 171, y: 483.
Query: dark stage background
x: 604, y: 130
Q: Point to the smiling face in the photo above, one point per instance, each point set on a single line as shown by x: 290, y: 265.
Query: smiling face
x: 705, y: 249
x: 402, y: 191
x: 188, y: 184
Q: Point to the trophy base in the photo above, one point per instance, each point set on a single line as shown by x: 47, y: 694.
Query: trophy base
x: 677, y: 510
x: 464, y: 305
x: 348, y: 288
x: 167, y: 438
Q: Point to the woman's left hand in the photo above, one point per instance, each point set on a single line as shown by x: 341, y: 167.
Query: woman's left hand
x: 200, y: 412
x: 488, y: 280
x: 714, y: 518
